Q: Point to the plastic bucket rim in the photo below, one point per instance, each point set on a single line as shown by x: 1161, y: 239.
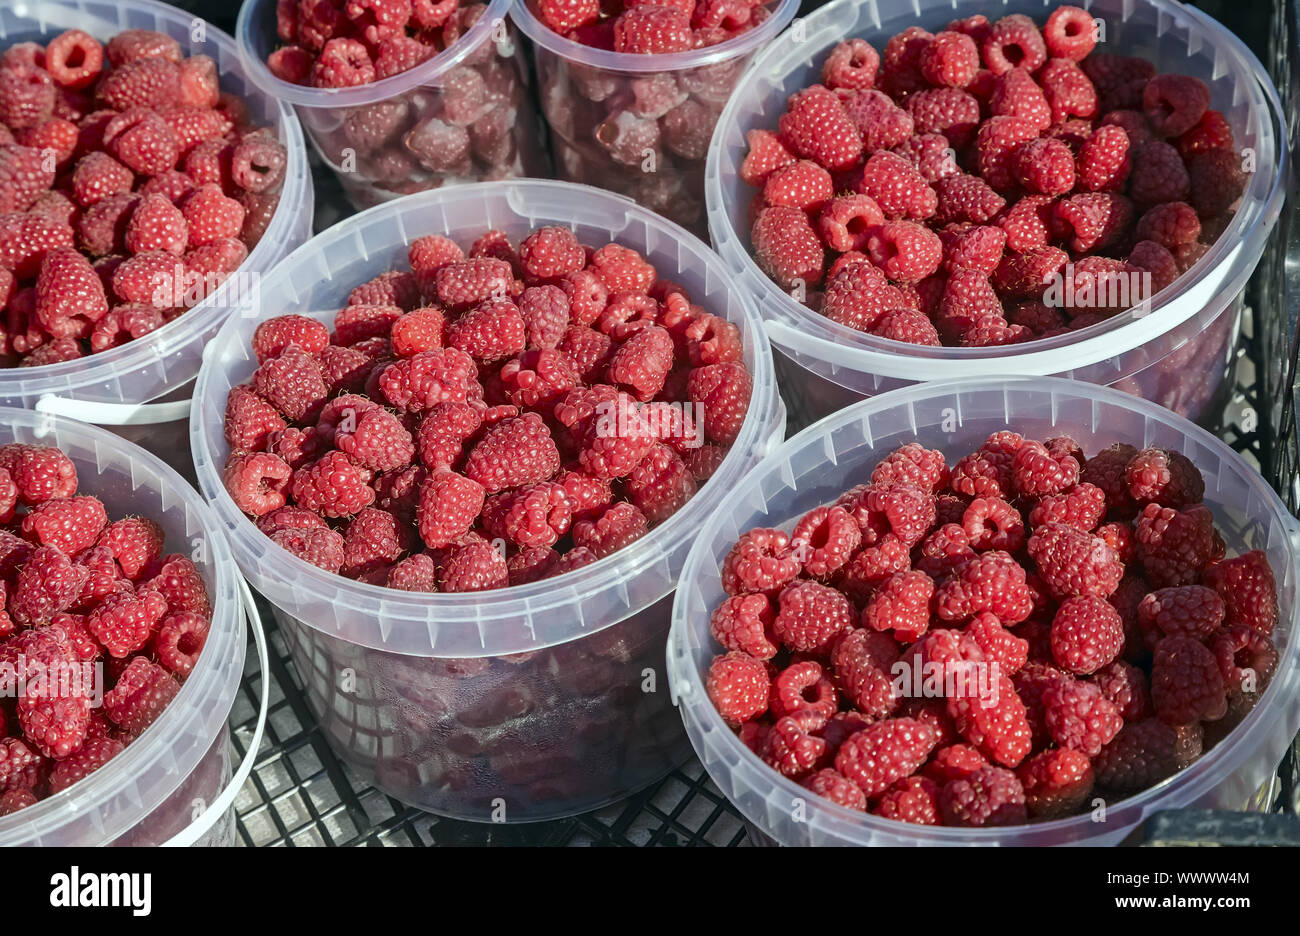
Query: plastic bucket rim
x: 688, y: 687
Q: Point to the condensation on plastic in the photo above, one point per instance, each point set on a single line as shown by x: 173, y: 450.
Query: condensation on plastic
x: 578, y: 85
x: 1177, y: 354
x: 166, y: 778
x: 548, y: 696
x: 369, y: 175
x: 955, y: 416
x: 167, y: 360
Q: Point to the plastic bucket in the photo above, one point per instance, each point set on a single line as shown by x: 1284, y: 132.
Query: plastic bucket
x: 1176, y: 354
x: 585, y: 93
x: 174, y: 784
x: 955, y: 416
x: 518, y: 704
x: 372, y: 172
x: 115, y: 387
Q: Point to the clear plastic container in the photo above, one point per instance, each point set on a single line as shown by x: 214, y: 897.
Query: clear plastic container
x: 161, y: 787
x: 518, y: 704
x: 111, y: 388
x: 955, y: 416
x: 1177, y: 354
x: 501, y: 142
x: 602, y: 108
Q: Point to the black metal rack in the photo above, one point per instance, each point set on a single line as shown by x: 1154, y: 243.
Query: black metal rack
x: 301, y: 794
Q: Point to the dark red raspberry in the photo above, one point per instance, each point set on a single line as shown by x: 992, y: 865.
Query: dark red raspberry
x: 1175, y: 103
x: 996, y: 144
x: 863, y: 662
x: 373, y: 540
x: 141, y: 693
x: 1247, y: 661
x: 1103, y: 163
x: 1174, y: 546
x: 1248, y: 589
x: 803, y: 691
x: 1126, y: 687
x: 1186, y: 684
x: 991, y: 796
x: 1188, y: 610
x: 1057, y: 783
x: 1158, y: 176
x: 738, y: 686
x: 837, y: 788
x: 1146, y: 752
x: 1164, y: 477
x: 473, y: 565
x: 1078, y: 716
x: 1216, y: 181
x: 1087, y: 634
x: 954, y: 762
x: 744, y: 623
x: 885, y: 752
x: 1073, y: 562
x: 1210, y: 133
x: 789, y: 748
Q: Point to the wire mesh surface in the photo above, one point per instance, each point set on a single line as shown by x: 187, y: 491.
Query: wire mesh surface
x: 301, y: 794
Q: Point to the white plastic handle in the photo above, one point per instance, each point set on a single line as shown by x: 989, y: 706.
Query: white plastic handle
x: 114, y: 414
x: 217, y: 808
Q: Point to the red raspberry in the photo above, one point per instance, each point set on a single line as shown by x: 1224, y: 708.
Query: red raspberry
x: 1068, y: 90
x: 1126, y: 688
x: 123, y: 623
x: 885, y: 752
x: 996, y: 144
x: 825, y: 539
x: 333, y: 486
x: 470, y: 282
x: 1216, y: 181
x: 791, y: 750
x: 47, y: 583
x: 136, y: 543
x: 27, y: 95
x: 394, y: 288
x: 1045, y: 166
x: 816, y: 126
x: 1164, y: 477
x: 491, y: 332
x: 724, y: 392
x: 1057, y: 783
x: 26, y: 238
x: 156, y: 224
x: 660, y: 484
x: 1087, y: 634
x: 998, y: 644
x: 1073, y: 562
x: 652, y: 30
x: 211, y: 216
x: 881, y: 123
x: 418, y: 330
x: 1175, y: 103
x: 1211, y: 132
x: 900, y: 71
x: 15, y: 758
x: 141, y: 693
x: 954, y: 762
x: 274, y: 336
x: 322, y: 548
x: 803, y: 185
x: 1156, y: 260
x: 443, y: 432
x: 906, y: 325
x: 762, y: 561
x: 618, y: 526
x: 913, y: 464
x: 711, y: 339
x: 566, y: 15
x: 858, y: 295
x: 803, y: 692
x: 1146, y: 752
x: 904, y: 251
x: 1014, y: 42
x: 71, y: 524
x: 93, y: 754
x: 74, y: 59
x: 987, y: 471
x: 991, y: 796
x: 912, y: 799
x: 992, y: 717
x: 1070, y: 33
x: 766, y: 154
x: 1247, y: 661
x: 1158, y: 176
x: 1091, y: 221
x: 513, y: 453
x: 787, y: 247
x: 931, y: 154
x: 1170, y: 225
x: 1016, y: 94
x: 545, y: 310
x: 1173, y: 546
x: 1103, y: 163
x: 531, y: 517
x: 739, y: 686
x: 1082, y: 506
x: 950, y: 112
x: 950, y: 58
x: 811, y: 615
x: 846, y: 222
x: 359, y: 322
x: 851, y: 64
x: 992, y: 582
x: 69, y: 295
x: 837, y: 788
x: 449, y: 505
x: 901, y: 510
x: 897, y: 187
x: 142, y: 141
x: 1025, y: 224
x: 290, y: 518
x: 375, y: 439
x: 1187, y: 610
x: 1248, y: 589
x: 992, y: 523
x: 1078, y: 716
x: 642, y: 362
x: 744, y: 623
x: 863, y: 662
x: 1106, y: 470
x: 180, y: 640
x: 293, y: 384
x: 622, y: 268
x: 474, y: 566
x: 419, y: 383
x: 179, y: 582
x: 52, y: 719
x: 1186, y: 685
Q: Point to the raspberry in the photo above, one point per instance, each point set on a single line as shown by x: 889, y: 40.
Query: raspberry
x: 1175, y: 103
x: 949, y: 112
x: 885, y: 752
x: 1216, y: 181
x: 901, y: 510
x: 622, y: 268
x: 473, y: 281
x: 1014, y: 42
x: 1070, y: 33
x: 851, y: 64
x: 950, y: 58
x: 787, y: 248
x: 1087, y: 634
x: 179, y: 641
x: 858, y: 295
x: 377, y: 440
x: 333, y: 486
x: 1247, y: 661
x: 1078, y: 716
x: 566, y: 15
x: 513, y: 453
x: 274, y: 336
x: 27, y: 95
x: 911, y: 799
x: 1249, y: 591
x: 761, y: 561
x: 1025, y: 224
x: 1170, y: 225
x: 913, y: 464
x: 617, y: 526
x: 1056, y: 783
x: 992, y: 582
x: 897, y: 187
x: 322, y: 548
x: 991, y: 796
x: 987, y: 471
x: 1158, y: 261
x: 837, y: 788
x: 124, y: 623
x: 1103, y: 163
x: 998, y: 645
x: 711, y: 339
x: 765, y: 155
x: 652, y: 30
x: 660, y: 485
x: 1081, y: 506
x: 46, y: 584
x: 846, y: 222
x: 69, y: 295
x: 1045, y: 166
x: 900, y: 71
x: 744, y: 623
x: 816, y: 126
x: 931, y: 155
x: 421, y: 382
x: 474, y: 566
x: 825, y: 539
x: 71, y: 524
x: 1146, y: 752
x: 906, y: 252
x: 491, y: 332
x: 1126, y: 688
x: 156, y: 224
x: 790, y: 749
x: 642, y: 363
x: 293, y: 384
x: 1158, y: 176
x: 954, y: 762
x: 724, y: 392
x: 1091, y: 221
x: 1068, y: 90
x: 1173, y: 546
x: 863, y: 661
x: 738, y: 686
x: 811, y: 615
x: 1186, y: 685
x: 26, y: 238
x: 1188, y: 611
x: 141, y: 693
x: 1073, y: 562
x: 881, y: 123
x: 992, y: 523
x: 803, y: 692
x: 1016, y: 94
x: 211, y: 216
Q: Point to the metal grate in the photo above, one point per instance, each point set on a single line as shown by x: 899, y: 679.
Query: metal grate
x: 301, y: 794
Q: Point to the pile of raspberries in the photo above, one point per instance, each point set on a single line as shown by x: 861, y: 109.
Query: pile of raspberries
x: 658, y: 28
x: 345, y: 43
x: 485, y: 420
x: 1091, y: 596
x: 86, y: 606
x: 929, y: 193
x: 130, y: 187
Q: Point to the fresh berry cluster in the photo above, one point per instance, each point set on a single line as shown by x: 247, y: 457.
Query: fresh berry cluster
x: 488, y: 419
x: 994, y: 641
x: 471, y: 125
x: 345, y: 43
x: 933, y: 192
x: 131, y: 186
x: 98, y: 626
x: 643, y: 134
